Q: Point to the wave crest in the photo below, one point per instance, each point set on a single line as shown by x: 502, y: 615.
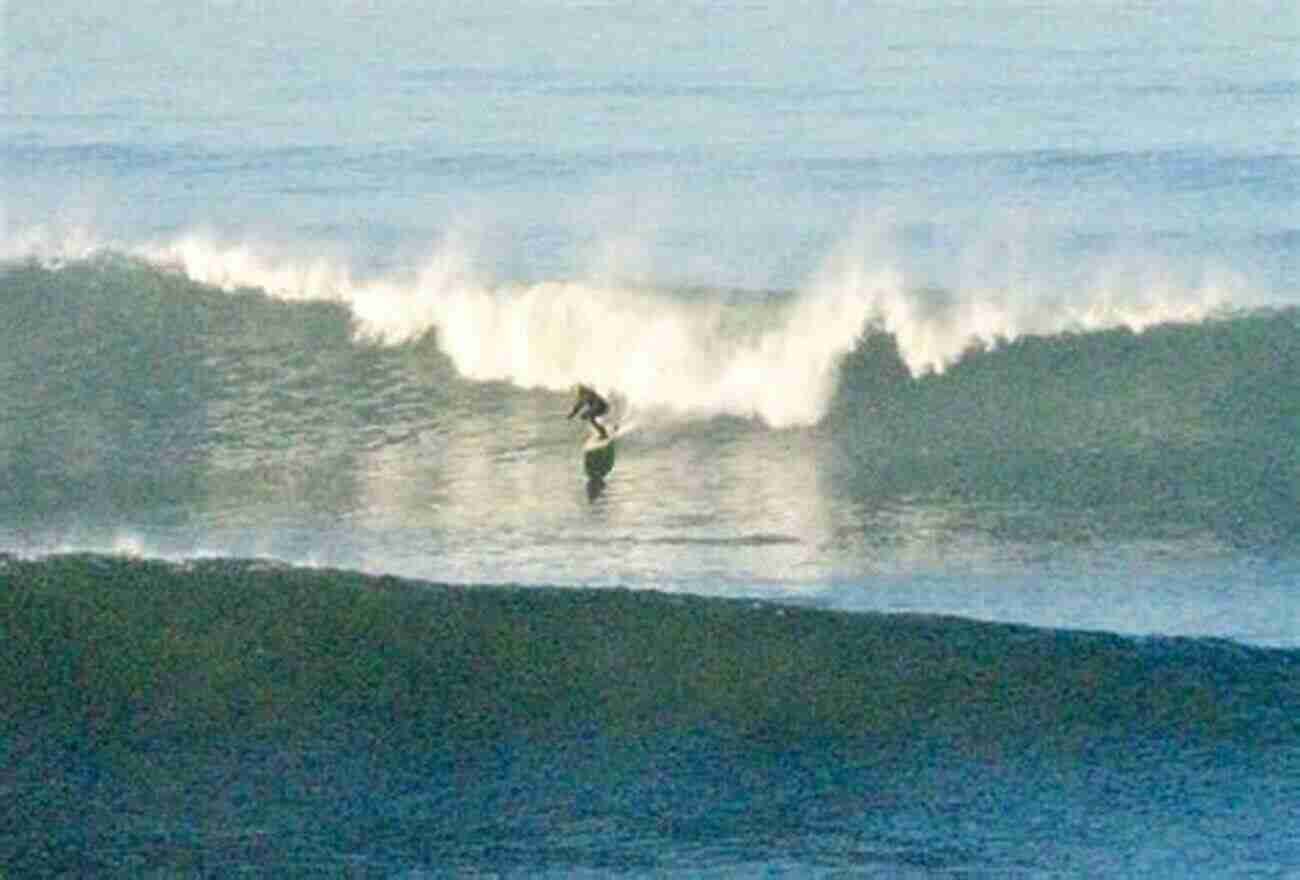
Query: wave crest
x: 693, y: 353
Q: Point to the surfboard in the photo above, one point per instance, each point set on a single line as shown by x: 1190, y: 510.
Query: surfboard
x: 598, y: 455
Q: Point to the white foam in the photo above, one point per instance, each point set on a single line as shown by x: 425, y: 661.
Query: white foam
x: 691, y: 356
x: 979, y: 307
x: 49, y: 245
x: 659, y: 351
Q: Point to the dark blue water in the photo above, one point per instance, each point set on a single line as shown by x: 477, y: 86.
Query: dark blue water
x: 222, y: 717
x: 953, y: 528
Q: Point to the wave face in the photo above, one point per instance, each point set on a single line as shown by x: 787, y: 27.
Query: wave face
x: 1193, y: 422
x: 109, y: 644
x: 257, y: 717
x: 699, y: 351
x: 954, y: 528
x: 136, y: 377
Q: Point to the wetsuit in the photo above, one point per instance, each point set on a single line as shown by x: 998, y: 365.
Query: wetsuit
x: 591, y: 405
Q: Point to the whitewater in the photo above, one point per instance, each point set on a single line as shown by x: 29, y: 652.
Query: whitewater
x: 955, y: 524
x: 767, y: 355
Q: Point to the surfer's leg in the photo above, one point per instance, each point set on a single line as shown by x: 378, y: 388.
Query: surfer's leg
x: 599, y: 408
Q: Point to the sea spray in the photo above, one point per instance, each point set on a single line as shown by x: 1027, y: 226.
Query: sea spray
x: 993, y: 295
x: 687, y: 352
x: 673, y: 351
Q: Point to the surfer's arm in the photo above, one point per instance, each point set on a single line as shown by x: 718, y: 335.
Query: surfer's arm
x: 577, y: 406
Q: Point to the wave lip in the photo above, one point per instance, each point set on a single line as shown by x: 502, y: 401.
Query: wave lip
x: 130, y: 378
x: 696, y: 353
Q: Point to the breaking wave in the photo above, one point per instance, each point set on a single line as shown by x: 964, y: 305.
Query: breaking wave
x: 697, y: 352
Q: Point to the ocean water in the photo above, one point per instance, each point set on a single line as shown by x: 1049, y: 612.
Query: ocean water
x: 955, y: 523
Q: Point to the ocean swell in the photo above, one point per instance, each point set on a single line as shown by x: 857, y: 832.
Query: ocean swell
x: 694, y: 352
x: 128, y: 377
x: 112, y: 646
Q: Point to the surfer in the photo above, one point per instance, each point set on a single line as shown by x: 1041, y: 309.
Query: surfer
x: 592, y: 406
